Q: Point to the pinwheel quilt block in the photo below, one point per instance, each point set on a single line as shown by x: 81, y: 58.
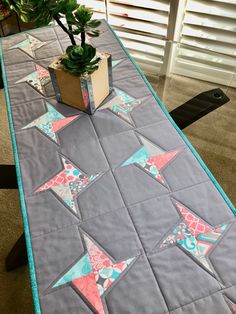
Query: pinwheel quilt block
x: 51, y: 122
x: 68, y: 184
x: 93, y: 274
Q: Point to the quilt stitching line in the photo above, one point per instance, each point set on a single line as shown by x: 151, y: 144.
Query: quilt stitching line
x: 29, y: 45
x: 159, y: 285
x: 58, y: 40
x: 122, y: 105
x: 38, y: 79
x: 136, y: 130
x: 51, y: 122
x: 93, y: 273
x: 151, y: 159
x: 230, y: 224
x: 194, y: 241
x: 221, y: 291
x: 68, y: 184
x: 60, y: 156
x: 128, y: 212
x: 184, y: 138
x: 57, y: 229
x: 137, y: 133
x: 211, y: 181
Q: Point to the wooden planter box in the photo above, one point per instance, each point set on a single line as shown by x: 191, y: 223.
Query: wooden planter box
x: 86, y: 92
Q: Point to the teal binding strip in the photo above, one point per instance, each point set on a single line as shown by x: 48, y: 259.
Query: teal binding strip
x: 21, y: 193
x: 204, y: 166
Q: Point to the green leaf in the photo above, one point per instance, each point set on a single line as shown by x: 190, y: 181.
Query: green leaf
x: 80, y: 60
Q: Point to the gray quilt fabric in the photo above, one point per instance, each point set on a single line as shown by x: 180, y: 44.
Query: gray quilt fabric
x: 123, y: 217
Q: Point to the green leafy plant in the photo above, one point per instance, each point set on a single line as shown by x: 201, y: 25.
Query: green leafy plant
x: 79, y: 22
x: 79, y: 60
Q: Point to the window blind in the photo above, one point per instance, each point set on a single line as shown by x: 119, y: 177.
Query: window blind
x: 141, y: 26
x: 208, y: 39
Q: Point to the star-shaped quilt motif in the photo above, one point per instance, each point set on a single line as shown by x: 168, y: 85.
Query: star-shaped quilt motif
x: 151, y: 159
x: 51, y: 122
x: 93, y: 274
x: 68, y: 184
x: 122, y: 105
x: 29, y: 45
x: 37, y: 79
x: 194, y: 236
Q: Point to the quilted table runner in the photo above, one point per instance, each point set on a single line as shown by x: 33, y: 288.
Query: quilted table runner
x: 121, y: 216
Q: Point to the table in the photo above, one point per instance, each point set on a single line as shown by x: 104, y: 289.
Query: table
x: 105, y: 197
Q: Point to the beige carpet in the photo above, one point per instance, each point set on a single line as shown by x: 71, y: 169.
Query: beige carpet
x: 15, y: 292
x: 214, y: 137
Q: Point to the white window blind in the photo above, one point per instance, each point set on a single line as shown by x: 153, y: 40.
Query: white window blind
x: 141, y: 26
x: 206, y: 30
x: 211, y: 26
x: 98, y: 7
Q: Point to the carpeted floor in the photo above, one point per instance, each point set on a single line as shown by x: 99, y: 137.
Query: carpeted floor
x: 15, y: 292
x: 214, y: 137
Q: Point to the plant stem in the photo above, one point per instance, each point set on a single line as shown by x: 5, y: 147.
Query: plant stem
x: 82, y: 35
x: 72, y: 39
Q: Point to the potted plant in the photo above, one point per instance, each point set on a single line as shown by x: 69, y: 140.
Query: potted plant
x: 77, y: 74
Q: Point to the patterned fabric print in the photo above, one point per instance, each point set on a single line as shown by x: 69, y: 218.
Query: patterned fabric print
x: 106, y: 276
x: 93, y: 274
x: 64, y: 192
x: 37, y: 79
x: 98, y: 258
x: 187, y: 235
x: 78, y: 185
x: 140, y: 156
x: 81, y: 268
x: 29, y: 45
x: 59, y: 124
x: 126, y: 98
x: 85, y: 93
x: 35, y: 43
x: 206, y: 240
x: 154, y: 164
x: 122, y: 105
x: 152, y: 169
x: 41, y: 72
x: 48, y: 130
x: 161, y: 160
x: 185, y: 238
x: 195, y: 224
x: 123, y: 110
x: 68, y: 184
x: 51, y: 122
x: 179, y: 233
x: 59, y: 179
x: 88, y: 287
x: 151, y: 164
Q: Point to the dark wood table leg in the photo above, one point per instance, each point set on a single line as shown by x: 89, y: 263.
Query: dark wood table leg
x: 198, y: 107
x: 8, y: 177
x: 18, y: 255
x: 1, y: 80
